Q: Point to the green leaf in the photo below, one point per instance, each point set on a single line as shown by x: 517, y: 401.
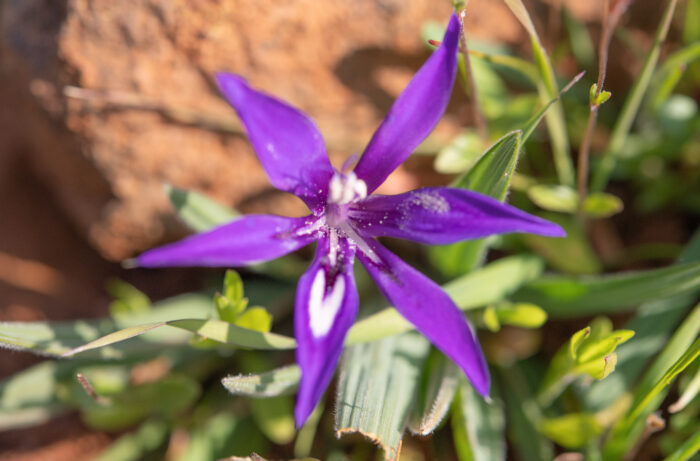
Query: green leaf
x: 255, y: 318
x: 523, y: 315
x: 574, y: 430
x: 548, y: 91
x: 492, y: 176
x: 128, y: 300
x: 492, y: 173
x: 478, y: 426
x: 281, y: 381
x: 572, y: 254
x: 28, y: 398
x: 679, y: 353
x: 488, y: 285
x: 602, y: 205
x: 166, y: 397
x: 460, y: 155
x: 686, y: 451
x: 669, y: 74
x: 653, y: 323
x: 198, y: 211
x: 523, y: 414
x: 554, y: 197
x: 275, y: 418
x: 622, y: 127
x: 137, y: 445
x: 435, y: 396
x: 590, y: 351
x: 223, y: 435
x: 377, y: 388
x: 58, y: 338
x: 217, y: 330
x: 563, y: 296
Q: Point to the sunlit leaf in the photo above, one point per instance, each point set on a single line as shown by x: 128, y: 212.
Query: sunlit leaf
x: 481, y: 287
x: 377, y: 388
x: 563, y: 296
x: 478, y: 426
x: 573, y: 430
x: 281, y: 381
x: 440, y: 378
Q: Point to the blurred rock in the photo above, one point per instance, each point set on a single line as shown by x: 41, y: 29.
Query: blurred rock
x: 146, y: 118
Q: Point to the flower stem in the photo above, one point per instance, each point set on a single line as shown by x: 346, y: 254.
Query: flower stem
x: 479, y: 119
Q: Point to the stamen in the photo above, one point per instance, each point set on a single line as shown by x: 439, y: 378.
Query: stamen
x: 344, y: 189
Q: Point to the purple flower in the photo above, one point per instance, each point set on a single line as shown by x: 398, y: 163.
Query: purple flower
x: 345, y: 220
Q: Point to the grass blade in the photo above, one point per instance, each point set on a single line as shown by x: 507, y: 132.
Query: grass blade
x: 631, y: 106
x: 281, y: 381
x: 377, y: 388
x: 563, y: 296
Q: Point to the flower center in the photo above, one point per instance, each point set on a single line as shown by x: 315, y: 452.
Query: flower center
x: 344, y: 189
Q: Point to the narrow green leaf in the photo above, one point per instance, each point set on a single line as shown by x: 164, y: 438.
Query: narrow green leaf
x: 679, y: 353
x: 217, y: 330
x: 669, y: 74
x: 652, y: 323
x: 690, y: 392
x: 441, y: 377
x: 554, y: 197
x: 548, y: 90
x: 198, y: 211
x: 255, y: 318
x: 572, y: 254
x: 686, y: 451
x: 563, y: 296
x: 622, y: 127
x: 523, y: 315
x: 492, y: 176
x: 573, y: 430
x: 281, y: 381
x: 166, y: 397
x: 377, y: 387
x: 481, y: 287
x: 28, y: 398
x: 602, y: 205
x: 275, y: 418
x: 136, y: 445
x: 523, y: 414
x: 478, y: 426
x: 460, y: 155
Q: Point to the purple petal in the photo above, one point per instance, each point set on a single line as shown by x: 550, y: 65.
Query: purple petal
x: 439, y: 215
x: 250, y: 239
x: 285, y: 140
x: 326, y: 305
x: 414, y: 114
x: 423, y: 303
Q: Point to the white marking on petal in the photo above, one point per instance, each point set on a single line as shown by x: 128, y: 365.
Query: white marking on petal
x: 323, y: 309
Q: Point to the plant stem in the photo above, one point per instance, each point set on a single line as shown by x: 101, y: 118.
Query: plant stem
x: 479, y: 119
x: 632, y: 103
x: 610, y: 20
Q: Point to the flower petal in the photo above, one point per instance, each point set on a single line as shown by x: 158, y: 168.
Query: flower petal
x: 423, y: 303
x: 326, y: 306
x: 285, y: 140
x: 439, y: 215
x: 414, y: 114
x: 250, y: 239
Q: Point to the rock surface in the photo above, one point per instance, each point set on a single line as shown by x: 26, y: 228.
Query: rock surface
x: 152, y: 114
